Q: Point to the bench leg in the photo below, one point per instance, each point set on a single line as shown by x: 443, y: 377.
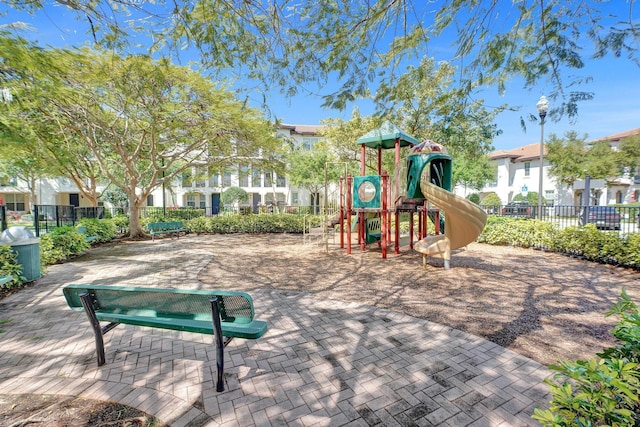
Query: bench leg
x: 95, y: 324
x: 217, y: 328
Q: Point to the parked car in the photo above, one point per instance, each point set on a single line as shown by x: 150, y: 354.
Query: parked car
x: 519, y: 209
x: 602, y: 216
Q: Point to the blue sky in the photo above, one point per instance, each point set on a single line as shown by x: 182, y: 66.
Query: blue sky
x: 615, y: 107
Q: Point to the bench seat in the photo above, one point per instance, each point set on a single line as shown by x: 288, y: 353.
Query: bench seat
x: 224, y: 314
x: 171, y: 227
x: 83, y: 230
x: 5, y: 279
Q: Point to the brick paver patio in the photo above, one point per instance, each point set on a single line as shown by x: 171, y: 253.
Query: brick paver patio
x: 322, y: 362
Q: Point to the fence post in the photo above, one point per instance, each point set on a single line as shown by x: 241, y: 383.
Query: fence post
x: 36, y: 219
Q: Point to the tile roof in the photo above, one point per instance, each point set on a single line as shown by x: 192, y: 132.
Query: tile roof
x: 618, y: 136
x: 520, y: 154
x: 302, y: 129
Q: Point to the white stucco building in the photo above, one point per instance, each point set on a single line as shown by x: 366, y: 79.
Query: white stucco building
x: 518, y: 172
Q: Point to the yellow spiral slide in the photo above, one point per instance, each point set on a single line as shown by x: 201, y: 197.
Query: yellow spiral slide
x: 464, y: 221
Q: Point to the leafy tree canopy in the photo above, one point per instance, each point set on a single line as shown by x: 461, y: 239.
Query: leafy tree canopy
x: 234, y: 195
x: 360, y: 43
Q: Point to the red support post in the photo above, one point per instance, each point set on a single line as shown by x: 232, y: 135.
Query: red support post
x: 349, y: 202
x: 342, y: 212
x: 410, y: 230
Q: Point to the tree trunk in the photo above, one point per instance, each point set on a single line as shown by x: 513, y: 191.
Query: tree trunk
x: 135, y: 229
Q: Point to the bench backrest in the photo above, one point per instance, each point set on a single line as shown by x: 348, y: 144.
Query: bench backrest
x: 173, y: 225
x: 373, y: 225
x: 162, y: 303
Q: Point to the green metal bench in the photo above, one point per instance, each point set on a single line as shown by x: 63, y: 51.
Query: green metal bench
x: 83, y: 230
x: 224, y: 314
x: 172, y: 227
x: 5, y: 279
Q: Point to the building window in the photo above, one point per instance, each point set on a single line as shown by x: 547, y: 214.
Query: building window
x: 618, y: 196
x: 268, y: 178
x: 243, y: 178
x: 281, y: 181
x: 150, y: 200
x: 549, y: 196
x: 203, y: 201
x: 191, y: 200
x: 201, y: 174
x: 214, y: 178
x: 308, y: 143
x: 256, y: 177
x: 294, y: 198
x: 527, y: 168
x: 226, y: 178
x: 14, y: 202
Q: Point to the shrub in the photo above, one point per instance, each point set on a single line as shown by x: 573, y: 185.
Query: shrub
x: 601, y: 391
x: 103, y: 229
x: 121, y: 223
x: 491, y: 199
x: 474, y: 197
x: 60, y: 244
x: 9, y: 266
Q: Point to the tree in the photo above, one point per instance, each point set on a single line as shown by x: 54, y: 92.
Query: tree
x: 143, y: 121
x: 566, y: 157
x: 359, y: 43
x: 630, y: 153
x: 473, y: 172
x: 233, y: 196
x: 36, y: 144
x: 307, y: 168
x: 602, y: 162
x: 491, y: 199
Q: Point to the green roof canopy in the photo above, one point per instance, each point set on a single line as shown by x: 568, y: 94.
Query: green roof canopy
x: 385, y: 137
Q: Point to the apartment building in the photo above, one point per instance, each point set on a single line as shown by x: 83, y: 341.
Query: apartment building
x: 196, y: 188
x: 518, y: 172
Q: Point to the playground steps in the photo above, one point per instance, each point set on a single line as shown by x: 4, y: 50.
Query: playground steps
x: 406, y: 204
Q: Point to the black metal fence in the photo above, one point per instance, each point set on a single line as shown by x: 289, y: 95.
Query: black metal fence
x: 47, y: 217
x: 3, y: 217
x: 623, y: 219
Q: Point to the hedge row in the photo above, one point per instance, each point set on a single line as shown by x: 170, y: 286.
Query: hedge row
x: 580, y: 241
x: 260, y: 223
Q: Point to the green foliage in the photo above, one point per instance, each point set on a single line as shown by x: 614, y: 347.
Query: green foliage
x: 157, y: 214
x: 517, y: 232
x: 602, y: 391
x: 531, y: 197
x: 60, y: 244
x: 491, y: 199
x: 259, y: 223
x: 474, y: 197
x: 234, y: 195
x: 590, y: 243
x: 581, y: 241
x: 121, y: 222
x: 103, y: 229
x: 116, y: 197
x: 9, y: 266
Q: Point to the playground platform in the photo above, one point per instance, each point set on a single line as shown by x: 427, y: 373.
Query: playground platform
x: 322, y: 363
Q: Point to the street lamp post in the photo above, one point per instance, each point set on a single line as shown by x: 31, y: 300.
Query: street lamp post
x: 543, y: 106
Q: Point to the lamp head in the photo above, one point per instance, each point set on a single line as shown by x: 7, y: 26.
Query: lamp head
x: 542, y: 106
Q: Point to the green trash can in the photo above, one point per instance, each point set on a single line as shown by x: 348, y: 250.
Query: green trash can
x: 27, y: 248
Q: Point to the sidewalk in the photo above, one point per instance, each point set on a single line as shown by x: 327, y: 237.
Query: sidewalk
x: 322, y: 362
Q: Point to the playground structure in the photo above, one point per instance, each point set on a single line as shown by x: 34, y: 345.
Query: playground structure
x: 421, y: 185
